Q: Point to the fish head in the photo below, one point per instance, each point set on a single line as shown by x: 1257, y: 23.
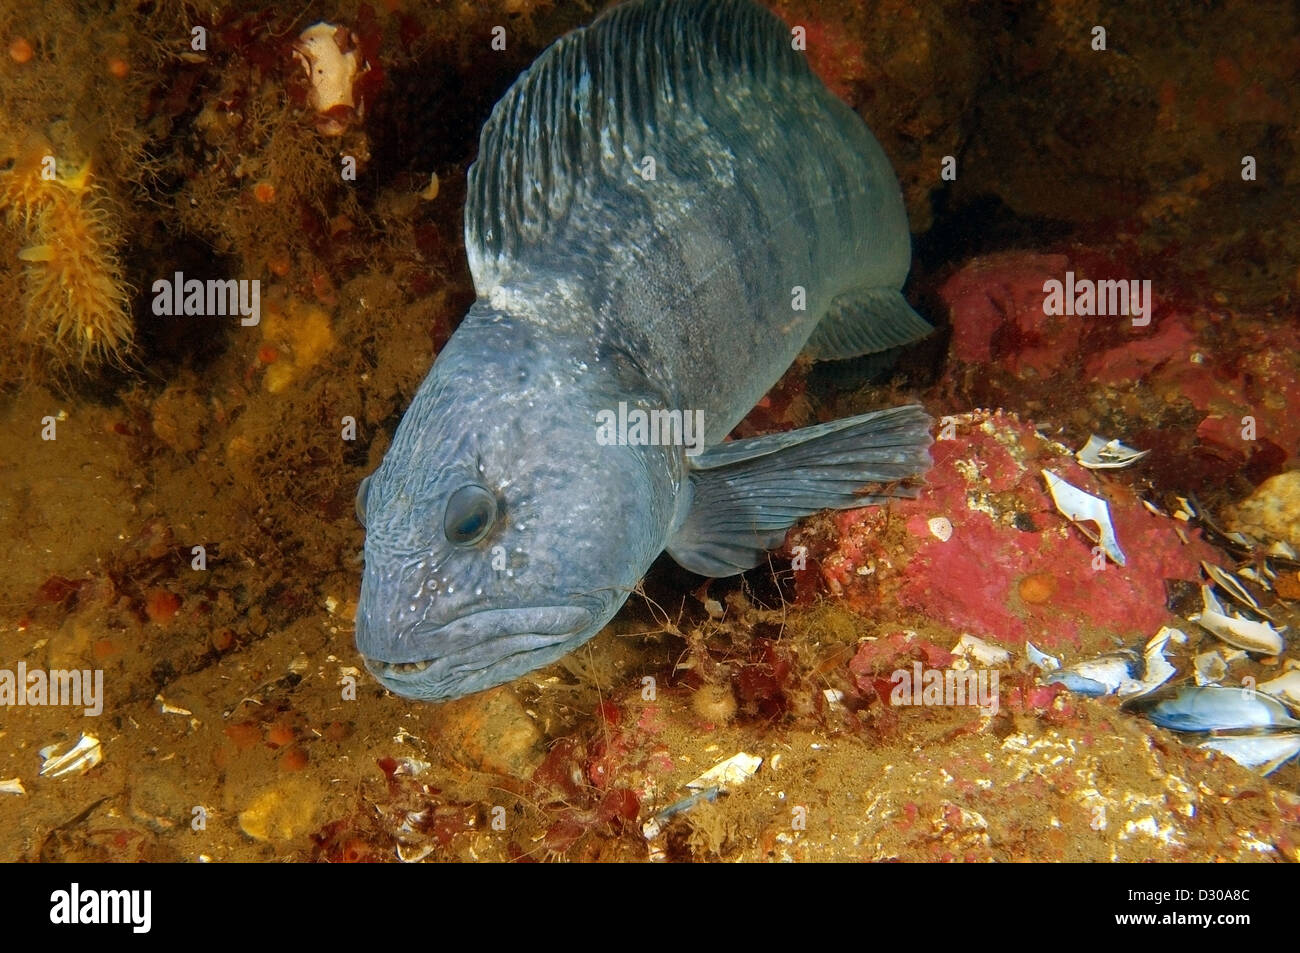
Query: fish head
x: 500, y: 534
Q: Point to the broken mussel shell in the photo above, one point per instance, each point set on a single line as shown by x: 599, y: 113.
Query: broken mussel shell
x: 1236, y: 630
x: 1286, y: 686
x: 1235, y: 588
x: 1251, y: 727
x: 1219, y: 708
x: 1102, y: 454
x: 1079, y: 507
x: 78, y: 759
x: 1124, y: 673
x: 1265, y: 753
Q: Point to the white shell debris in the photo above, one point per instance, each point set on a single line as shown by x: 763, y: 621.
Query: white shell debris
x: 168, y: 708
x: 1076, y: 505
x: 1112, y: 674
x: 12, y: 786
x: 1248, y: 572
x: 1222, y: 710
x: 80, y: 758
x: 1118, y: 673
x: 1045, y: 662
x: 1102, y: 454
x: 977, y: 650
x: 1210, y: 668
x: 411, y: 767
x: 1282, y: 548
x: 736, y: 770
x: 1286, y: 686
x: 329, y: 55
x: 941, y: 528
x: 1258, y: 637
x: 1266, y: 753
x: 1158, y: 668
x: 724, y: 775
x: 655, y: 825
x: 1229, y: 584
x: 413, y: 855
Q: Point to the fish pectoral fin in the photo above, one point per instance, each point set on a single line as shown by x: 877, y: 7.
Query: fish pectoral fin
x: 865, y: 321
x: 748, y: 493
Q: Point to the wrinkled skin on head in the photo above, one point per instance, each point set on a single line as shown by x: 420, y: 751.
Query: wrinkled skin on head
x: 500, y: 534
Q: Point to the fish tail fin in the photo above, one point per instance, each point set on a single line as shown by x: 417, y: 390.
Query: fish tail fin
x: 747, y: 493
x: 865, y: 321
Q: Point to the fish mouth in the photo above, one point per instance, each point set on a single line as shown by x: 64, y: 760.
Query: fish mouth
x: 479, y: 650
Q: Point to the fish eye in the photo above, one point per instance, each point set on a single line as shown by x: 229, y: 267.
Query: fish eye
x: 471, y: 511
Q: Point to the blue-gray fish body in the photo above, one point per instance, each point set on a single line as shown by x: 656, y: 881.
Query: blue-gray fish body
x: 666, y: 210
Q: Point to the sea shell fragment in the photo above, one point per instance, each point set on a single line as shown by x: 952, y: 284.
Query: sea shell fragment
x: 1286, y: 686
x: 1229, y: 584
x: 1102, y: 454
x: 1122, y: 673
x: 977, y: 650
x: 1076, y: 505
x: 1209, y: 668
x: 941, y: 528
x: 1110, y: 674
x: 1158, y: 668
x: 1217, y: 708
x: 1264, y: 753
x: 78, y: 759
x: 1282, y: 548
x: 1044, y: 661
x: 720, y: 778
x: 1258, y: 637
x: 736, y: 770
x: 653, y: 827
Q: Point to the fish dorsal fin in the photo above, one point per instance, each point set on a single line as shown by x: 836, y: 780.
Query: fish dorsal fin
x: 591, y: 106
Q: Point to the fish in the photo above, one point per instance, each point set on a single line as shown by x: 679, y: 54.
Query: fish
x: 667, y: 209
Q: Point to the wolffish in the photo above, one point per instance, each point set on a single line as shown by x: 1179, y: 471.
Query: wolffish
x: 667, y: 208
